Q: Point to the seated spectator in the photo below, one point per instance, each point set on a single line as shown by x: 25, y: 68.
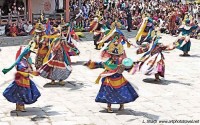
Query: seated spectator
x: 86, y: 25
x: 134, y: 24
x: 20, y: 28
x: 13, y: 30
x: 2, y: 30
x: 28, y: 27
x: 7, y: 28
x: 124, y: 23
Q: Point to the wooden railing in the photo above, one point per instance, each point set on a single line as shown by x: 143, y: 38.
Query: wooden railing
x: 14, y: 19
x: 55, y: 16
x: 5, y: 19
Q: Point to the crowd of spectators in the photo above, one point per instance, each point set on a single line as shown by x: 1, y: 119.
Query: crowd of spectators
x: 18, y: 29
x: 125, y: 14
x: 128, y: 14
x: 15, y: 26
x: 12, y: 8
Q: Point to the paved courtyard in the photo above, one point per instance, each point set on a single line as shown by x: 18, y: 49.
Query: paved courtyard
x: 176, y: 97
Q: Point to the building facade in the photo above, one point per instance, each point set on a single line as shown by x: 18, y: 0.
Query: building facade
x: 29, y: 9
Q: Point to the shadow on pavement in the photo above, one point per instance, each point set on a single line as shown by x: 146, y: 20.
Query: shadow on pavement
x: 151, y: 80
x: 78, y: 63
x: 193, y: 56
x: 164, y: 82
x: 38, y: 113
x: 138, y: 113
x: 132, y: 112
x: 197, y: 56
x: 74, y: 85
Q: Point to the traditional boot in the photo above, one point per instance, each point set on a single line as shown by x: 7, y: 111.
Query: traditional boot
x: 109, y: 109
x: 22, y: 108
x: 96, y: 47
x: 157, y: 77
x: 17, y: 107
x: 61, y: 82
x: 121, y: 107
x: 186, y: 54
x: 52, y: 82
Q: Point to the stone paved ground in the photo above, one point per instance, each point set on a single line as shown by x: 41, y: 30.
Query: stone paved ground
x: 177, y: 97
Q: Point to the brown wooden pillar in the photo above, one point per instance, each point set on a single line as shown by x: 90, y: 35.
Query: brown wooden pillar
x: 30, y: 10
x: 66, y: 10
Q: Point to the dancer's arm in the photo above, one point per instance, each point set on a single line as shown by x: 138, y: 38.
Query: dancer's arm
x: 94, y: 65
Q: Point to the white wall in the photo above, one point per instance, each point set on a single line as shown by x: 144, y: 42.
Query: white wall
x: 38, y: 5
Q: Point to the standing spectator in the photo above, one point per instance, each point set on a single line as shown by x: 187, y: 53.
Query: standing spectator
x: 195, y: 11
x: 85, y: 9
x: 123, y: 5
x: 78, y: 17
x: 129, y: 20
x: 14, y: 12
